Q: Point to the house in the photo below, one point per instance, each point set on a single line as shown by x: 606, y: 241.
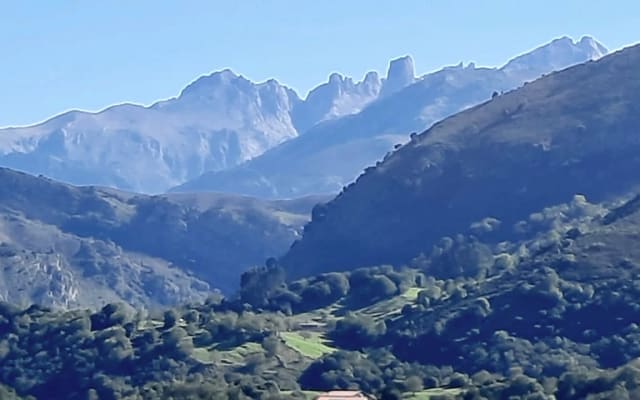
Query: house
x: 344, y: 395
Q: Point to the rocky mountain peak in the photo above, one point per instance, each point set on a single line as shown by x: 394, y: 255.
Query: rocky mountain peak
x: 555, y: 55
x: 210, y: 82
x: 589, y: 44
x: 371, y: 77
x: 401, y: 74
x: 335, y: 78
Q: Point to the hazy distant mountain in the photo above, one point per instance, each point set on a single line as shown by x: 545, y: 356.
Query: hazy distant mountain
x: 559, y: 54
x: 401, y: 74
x: 333, y: 153
x: 341, y: 96
x: 574, y: 131
x: 217, y: 122
x: 222, y: 120
x: 69, y: 246
x: 338, y: 97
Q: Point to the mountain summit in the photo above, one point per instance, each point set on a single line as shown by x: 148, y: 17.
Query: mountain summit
x: 401, y: 74
x: 218, y: 121
x: 338, y: 97
x: 558, y: 54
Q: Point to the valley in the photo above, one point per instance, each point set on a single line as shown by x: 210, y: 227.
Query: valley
x: 67, y: 246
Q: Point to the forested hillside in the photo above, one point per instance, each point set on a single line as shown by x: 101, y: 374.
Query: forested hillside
x: 574, y: 131
x: 67, y: 246
x: 552, y: 315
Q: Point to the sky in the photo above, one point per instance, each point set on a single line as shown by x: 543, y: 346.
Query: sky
x: 66, y: 54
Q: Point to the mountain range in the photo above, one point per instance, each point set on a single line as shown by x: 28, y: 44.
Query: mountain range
x: 222, y: 120
x: 332, y: 154
x: 216, y: 122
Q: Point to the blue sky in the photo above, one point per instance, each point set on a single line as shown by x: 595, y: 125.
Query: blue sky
x: 58, y: 55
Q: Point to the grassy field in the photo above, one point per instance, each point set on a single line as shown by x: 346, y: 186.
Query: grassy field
x: 422, y: 395
x: 238, y: 355
x: 429, y: 393
x: 412, y: 293
x: 391, y: 307
x: 234, y: 356
x: 317, y: 320
x: 308, y: 394
x: 307, y: 341
x: 203, y: 355
x: 312, y: 347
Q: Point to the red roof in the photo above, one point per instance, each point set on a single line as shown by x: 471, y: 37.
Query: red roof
x: 343, y: 395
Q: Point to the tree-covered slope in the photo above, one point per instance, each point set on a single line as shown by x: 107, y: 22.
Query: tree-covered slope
x: 574, y: 131
x: 548, y: 317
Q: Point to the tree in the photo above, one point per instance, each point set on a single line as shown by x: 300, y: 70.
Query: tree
x: 339, y: 284
x: 258, y: 284
x: 170, y: 319
x: 271, y: 345
x: 383, y: 287
x: 356, y: 331
x: 110, y: 315
x: 413, y: 384
x: 367, y: 286
x: 254, y: 363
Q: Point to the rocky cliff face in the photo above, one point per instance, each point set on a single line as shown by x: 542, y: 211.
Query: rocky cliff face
x: 401, y: 74
x: 559, y: 54
x: 338, y: 97
x: 77, y: 272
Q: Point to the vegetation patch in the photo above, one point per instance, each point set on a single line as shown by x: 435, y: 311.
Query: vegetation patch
x: 430, y: 394
x: 312, y: 346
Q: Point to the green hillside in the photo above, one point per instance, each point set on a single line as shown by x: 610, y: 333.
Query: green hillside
x: 574, y: 131
x: 67, y: 247
x: 553, y: 315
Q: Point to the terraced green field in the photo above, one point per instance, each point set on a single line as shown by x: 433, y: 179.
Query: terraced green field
x: 430, y: 393
x: 305, y: 341
x: 236, y: 356
x: 391, y: 307
x: 308, y: 394
x: 412, y: 293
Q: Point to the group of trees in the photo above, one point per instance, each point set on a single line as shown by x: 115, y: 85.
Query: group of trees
x: 267, y: 288
x: 378, y: 371
x: 113, y: 354
x: 523, y: 320
x: 497, y: 338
